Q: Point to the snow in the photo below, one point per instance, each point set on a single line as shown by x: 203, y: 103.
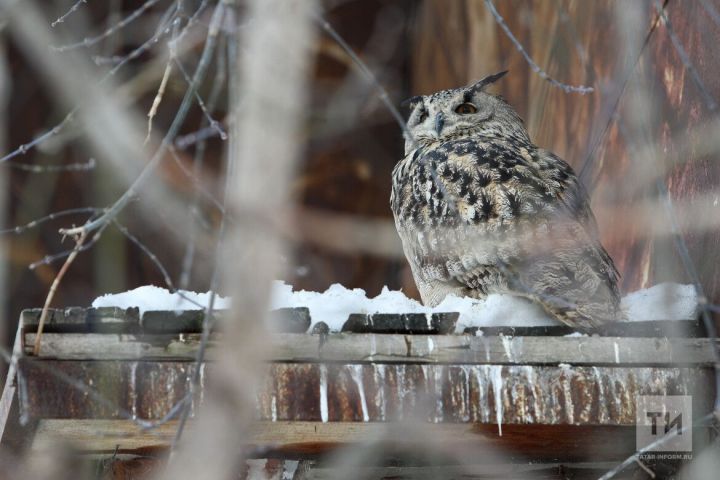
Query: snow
x: 666, y: 301
x: 335, y: 305
x: 150, y: 298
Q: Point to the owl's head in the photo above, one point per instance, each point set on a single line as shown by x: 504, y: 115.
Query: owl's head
x: 461, y: 112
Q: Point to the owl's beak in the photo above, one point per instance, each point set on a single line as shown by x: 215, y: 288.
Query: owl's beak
x: 439, y: 122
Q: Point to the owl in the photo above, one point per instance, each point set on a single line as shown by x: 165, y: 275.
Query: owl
x: 480, y: 209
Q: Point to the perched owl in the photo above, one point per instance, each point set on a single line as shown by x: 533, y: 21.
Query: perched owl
x: 480, y: 209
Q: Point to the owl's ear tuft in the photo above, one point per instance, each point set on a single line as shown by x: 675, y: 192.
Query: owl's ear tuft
x: 490, y: 79
x: 411, y: 102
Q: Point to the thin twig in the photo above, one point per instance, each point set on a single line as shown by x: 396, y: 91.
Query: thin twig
x: 214, y: 124
x: 48, y: 259
x: 53, y: 288
x: 590, y: 157
x: 209, y: 316
x: 24, y: 148
x: 17, y: 230
x: 712, y: 11
x: 184, y: 141
x: 153, y: 258
x: 156, y: 261
x: 200, y: 71
x: 385, y: 99
x: 645, y: 467
x: 197, y: 183
x: 690, y: 269
x: 660, y: 441
x: 72, y: 10
x: 198, y: 160
x: 158, y: 98
x: 581, y: 89
x: 90, y: 41
x: 687, y: 63
x: 70, y: 167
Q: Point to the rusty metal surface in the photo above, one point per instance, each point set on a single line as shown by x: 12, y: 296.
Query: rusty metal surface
x: 371, y: 392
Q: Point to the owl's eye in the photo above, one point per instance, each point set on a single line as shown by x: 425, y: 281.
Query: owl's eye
x: 423, y: 115
x: 466, y: 108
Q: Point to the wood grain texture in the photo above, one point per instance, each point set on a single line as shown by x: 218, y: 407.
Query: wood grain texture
x: 386, y: 348
x: 310, y: 439
x: 352, y: 392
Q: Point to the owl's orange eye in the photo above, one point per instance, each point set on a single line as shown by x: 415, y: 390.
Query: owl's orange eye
x: 466, y: 108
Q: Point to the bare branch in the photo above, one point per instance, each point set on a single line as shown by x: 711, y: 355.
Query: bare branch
x: 158, y: 98
x: 90, y: 41
x: 183, y: 109
x: 70, y: 167
x: 581, y: 89
x: 709, y: 100
x: 72, y: 10
x: 53, y: 288
x: 39, y: 221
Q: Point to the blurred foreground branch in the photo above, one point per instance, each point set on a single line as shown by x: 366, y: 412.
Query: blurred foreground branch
x: 262, y: 151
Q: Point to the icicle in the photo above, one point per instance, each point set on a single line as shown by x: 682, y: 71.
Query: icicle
x: 512, y: 346
x: 202, y: 382
x: 484, y: 341
x: 401, y: 389
x: 617, y: 352
x: 356, y: 373
x: 567, y: 375
x: 483, y: 406
x: 273, y: 408
x: 466, y: 394
x: 497, y: 384
x: 506, y: 345
x: 379, y: 372
x: 431, y: 345
x: 133, y: 389
x: 537, y: 407
x: 603, y: 414
x: 438, y: 393
x: 323, y: 394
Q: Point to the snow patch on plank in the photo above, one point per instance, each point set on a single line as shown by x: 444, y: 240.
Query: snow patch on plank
x: 150, y: 297
x: 666, y: 301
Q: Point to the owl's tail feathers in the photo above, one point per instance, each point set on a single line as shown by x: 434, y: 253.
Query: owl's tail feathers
x: 583, y: 316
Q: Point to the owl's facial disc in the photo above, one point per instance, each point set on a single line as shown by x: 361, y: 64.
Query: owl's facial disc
x: 446, y: 114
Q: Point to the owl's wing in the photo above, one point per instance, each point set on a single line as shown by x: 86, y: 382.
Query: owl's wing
x: 577, y: 275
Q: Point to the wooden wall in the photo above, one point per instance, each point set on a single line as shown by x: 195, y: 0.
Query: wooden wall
x: 584, y: 43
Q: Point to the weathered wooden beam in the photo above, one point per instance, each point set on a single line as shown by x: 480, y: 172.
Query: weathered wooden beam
x: 361, y: 348
x: 407, y: 323
x: 489, y: 394
x: 311, y: 439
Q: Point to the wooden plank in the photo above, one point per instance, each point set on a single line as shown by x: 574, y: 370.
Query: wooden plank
x: 474, y: 471
x: 79, y: 319
x: 405, y: 323
x: 491, y: 394
x: 363, y: 348
x: 8, y: 394
x: 310, y: 439
x: 96, y: 346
